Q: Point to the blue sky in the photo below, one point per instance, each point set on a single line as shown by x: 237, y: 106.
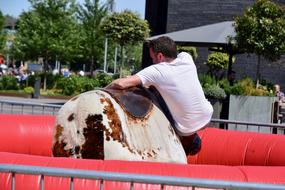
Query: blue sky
x: 15, y: 7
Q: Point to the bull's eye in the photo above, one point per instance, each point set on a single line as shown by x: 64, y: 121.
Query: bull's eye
x: 70, y: 117
x: 77, y: 131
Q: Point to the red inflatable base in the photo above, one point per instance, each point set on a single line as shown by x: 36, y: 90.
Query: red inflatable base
x: 225, y: 155
x: 273, y: 175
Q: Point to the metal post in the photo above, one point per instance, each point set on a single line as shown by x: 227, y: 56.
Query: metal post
x: 115, y: 60
x: 105, y: 55
x: 42, y: 182
x: 71, y: 183
x: 7, y: 59
x: 101, y: 184
x: 37, y: 87
x: 13, y: 181
x: 56, y: 66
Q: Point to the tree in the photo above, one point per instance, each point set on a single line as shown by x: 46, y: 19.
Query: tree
x: 2, y: 35
x: 125, y: 28
x: 28, y: 44
x: 90, y: 16
x: 217, y: 62
x: 49, y: 31
x: 133, y: 57
x: 261, y: 30
x: 189, y: 49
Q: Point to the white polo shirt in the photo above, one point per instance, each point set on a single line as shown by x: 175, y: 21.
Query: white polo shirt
x: 178, y: 84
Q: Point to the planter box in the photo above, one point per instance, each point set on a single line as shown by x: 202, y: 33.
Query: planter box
x: 257, y: 109
x: 15, y: 94
x: 217, y: 106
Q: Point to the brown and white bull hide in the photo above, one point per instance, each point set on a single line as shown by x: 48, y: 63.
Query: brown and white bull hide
x: 94, y: 125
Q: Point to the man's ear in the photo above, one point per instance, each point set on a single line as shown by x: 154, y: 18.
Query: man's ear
x: 160, y: 57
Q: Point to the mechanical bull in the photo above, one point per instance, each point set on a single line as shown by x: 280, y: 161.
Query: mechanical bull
x: 116, y: 125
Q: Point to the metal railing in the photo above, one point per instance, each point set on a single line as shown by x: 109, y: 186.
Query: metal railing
x: 271, y: 128
x: 38, y: 108
x: 163, y: 181
x: 14, y: 107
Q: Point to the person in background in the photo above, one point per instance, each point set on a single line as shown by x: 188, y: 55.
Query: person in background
x: 176, y: 79
x: 81, y: 73
x: 232, y: 77
x: 279, y: 93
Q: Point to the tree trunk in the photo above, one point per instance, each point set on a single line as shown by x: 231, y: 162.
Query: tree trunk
x: 45, y: 81
x: 230, y: 63
x: 258, y: 71
x: 122, y: 61
x: 45, y: 72
x: 92, y: 66
x: 105, y: 55
x: 115, y: 60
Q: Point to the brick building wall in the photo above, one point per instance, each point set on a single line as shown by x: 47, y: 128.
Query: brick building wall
x: 184, y: 14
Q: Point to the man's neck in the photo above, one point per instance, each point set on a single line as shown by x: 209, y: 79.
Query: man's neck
x: 168, y: 60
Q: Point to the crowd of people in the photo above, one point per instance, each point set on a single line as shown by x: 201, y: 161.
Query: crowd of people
x: 20, y: 73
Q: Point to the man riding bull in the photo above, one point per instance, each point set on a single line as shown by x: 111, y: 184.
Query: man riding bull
x: 175, y: 78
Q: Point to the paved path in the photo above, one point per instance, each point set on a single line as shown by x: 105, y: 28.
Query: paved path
x: 22, y: 105
x: 34, y: 100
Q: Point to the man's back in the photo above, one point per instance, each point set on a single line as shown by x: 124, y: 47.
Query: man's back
x: 178, y: 84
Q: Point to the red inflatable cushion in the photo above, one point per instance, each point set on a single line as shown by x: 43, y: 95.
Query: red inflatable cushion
x: 27, y: 134
x: 226, y: 147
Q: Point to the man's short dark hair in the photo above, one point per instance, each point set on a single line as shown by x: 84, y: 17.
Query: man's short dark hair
x: 164, y: 45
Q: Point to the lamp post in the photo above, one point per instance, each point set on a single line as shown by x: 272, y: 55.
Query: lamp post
x: 111, y: 8
x: 8, y: 45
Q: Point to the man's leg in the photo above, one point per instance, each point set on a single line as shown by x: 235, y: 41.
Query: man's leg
x: 191, y: 144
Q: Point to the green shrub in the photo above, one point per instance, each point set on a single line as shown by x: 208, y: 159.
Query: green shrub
x: 191, y: 50
x: 225, y: 84
x: 116, y: 76
x: 52, y: 92
x: 206, y: 80
x: 237, y: 89
x: 1, y: 85
x: 75, y: 85
x: 31, y: 80
x: 29, y: 90
x: 218, y: 60
x: 9, y: 83
x: 66, y: 85
x: 218, y: 63
x: 247, y: 87
x: 214, y: 91
x: 103, y: 79
x: 51, y: 79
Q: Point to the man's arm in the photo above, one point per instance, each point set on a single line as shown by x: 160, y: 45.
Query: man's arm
x: 124, y: 83
x: 282, y: 97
